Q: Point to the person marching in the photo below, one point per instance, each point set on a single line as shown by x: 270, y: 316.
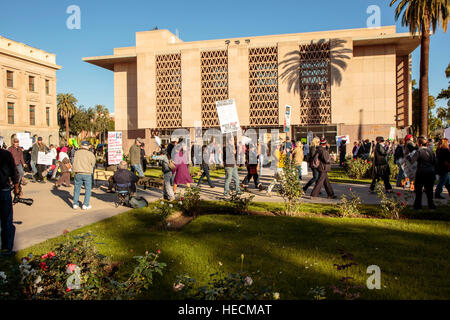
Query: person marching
x: 380, y: 169
x: 324, y: 166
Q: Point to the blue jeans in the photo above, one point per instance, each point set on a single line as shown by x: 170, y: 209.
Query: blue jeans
x: 6, y: 218
x: 444, y: 180
x: 231, y: 173
x: 81, y: 179
x: 138, y: 168
x: 167, y: 188
x: 400, y: 175
x: 205, y: 173
x: 313, y: 179
x: 299, y: 168
x: 33, y: 167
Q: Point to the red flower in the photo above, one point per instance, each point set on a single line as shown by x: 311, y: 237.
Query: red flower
x: 68, y: 290
x: 159, y: 251
x: 182, y: 199
x: 45, y: 256
x: 399, y: 194
x: 75, y: 249
x: 51, y: 254
x: 71, y: 267
x: 44, y: 266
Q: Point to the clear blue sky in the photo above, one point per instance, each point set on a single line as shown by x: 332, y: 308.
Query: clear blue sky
x: 106, y: 24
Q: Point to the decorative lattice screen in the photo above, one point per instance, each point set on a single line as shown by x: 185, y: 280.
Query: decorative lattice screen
x: 168, y: 90
x: 315, y: 91
x: 402, y: 92
x: 263, y: 85
x: 214, y: 81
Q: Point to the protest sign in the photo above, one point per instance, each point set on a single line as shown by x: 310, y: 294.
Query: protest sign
x: 45, y: 158
x: 115, y: 151
x: 287, y: 119
x: 228, y: 117
x: 25, y: 140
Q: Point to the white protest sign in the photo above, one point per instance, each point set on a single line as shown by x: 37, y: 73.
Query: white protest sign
x: 45, y: 158
x: 392, y: 133
x: 228, y: 117
x: 25, y: 140
x: 287, y: 119
x: 115, y: 151
x: 158, y: 141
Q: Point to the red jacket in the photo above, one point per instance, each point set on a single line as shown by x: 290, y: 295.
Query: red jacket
x: 17, y: 154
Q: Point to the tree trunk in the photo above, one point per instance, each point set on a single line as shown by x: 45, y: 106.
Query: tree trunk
x: 67, y: 130
x: 423, y: 83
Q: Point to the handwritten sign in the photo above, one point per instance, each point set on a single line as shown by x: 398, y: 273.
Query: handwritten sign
x: 45, y: 158
x: 228, y: 117
x: 115, y: 151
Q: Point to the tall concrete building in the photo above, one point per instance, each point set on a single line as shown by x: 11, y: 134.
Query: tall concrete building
x: 355, y: 82
x: 27, y: 92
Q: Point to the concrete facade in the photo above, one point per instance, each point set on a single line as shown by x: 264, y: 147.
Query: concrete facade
x: 368, y: 81
x: 19, y: 62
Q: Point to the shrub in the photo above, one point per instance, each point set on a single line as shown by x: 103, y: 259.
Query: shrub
x: 163, y: 210
x: 358, y: 168
x: 391, y: 206
x: 291, y: 187
x: 190, y: 201
x: 240, y: 203
x: 74, y: 270
x: 393, y: 168
x: 349, y: 206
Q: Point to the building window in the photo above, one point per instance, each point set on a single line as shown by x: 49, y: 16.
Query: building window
x: 30, y: 83
x: 10, y: 113
x: 47, y: 115
x: 32, y: 115
x: 9, y: 79
x: 47, y: 86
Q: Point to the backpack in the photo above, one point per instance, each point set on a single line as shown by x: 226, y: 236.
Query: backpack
x: 172, y: 165
x: 138, y: 202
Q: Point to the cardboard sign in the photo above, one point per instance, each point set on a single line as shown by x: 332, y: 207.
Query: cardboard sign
x: 25, y: 140
x: 115, y: 151
x: 45, y: 158
x: 228, y: 117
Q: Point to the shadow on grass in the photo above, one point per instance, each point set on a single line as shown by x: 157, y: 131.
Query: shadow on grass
x: 292, y: 254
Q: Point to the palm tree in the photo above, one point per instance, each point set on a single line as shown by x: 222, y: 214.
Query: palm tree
x: 101, y: 120
x: 66, y: 108
x: 442, y: 114
x: 422, y: 16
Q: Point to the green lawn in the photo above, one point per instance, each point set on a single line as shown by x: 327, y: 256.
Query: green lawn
x: 195, y: 173
x: 338, y: 175
x: 292, y: 253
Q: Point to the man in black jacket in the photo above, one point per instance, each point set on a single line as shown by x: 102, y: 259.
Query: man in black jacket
x: 425, y: 174
x: 8, y: 175
x: 380, y: 169
x: 324, y: 167
x: 123, y: 177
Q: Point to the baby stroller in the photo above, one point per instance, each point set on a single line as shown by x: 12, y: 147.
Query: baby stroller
x: 123, y: 192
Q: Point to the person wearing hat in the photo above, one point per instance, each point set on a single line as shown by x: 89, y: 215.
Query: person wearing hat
x: 135, y: 157
x: 380, y: 169
x: 323, y: 160
x: 38, y: 169
x: 19, y: 161
x: 83, y: 166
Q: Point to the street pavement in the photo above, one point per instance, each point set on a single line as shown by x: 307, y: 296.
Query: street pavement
x: 51, y: 213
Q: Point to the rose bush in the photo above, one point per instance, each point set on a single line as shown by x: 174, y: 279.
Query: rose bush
x: 75, y: 270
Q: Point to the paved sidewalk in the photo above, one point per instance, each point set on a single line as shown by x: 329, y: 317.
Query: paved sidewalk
x: 52, y: 211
